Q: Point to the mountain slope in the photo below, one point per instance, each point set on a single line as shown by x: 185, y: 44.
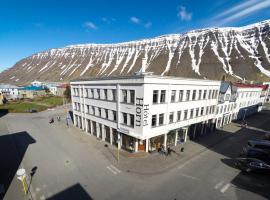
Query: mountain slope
x: 210, y: 53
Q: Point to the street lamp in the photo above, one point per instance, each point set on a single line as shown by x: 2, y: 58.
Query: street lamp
x: 245, y: 114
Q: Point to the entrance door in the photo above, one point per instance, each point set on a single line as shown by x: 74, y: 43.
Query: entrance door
x: 141, y: 145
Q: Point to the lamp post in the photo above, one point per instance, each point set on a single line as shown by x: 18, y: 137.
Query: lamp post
x: 21, y: 173
x: 245, y: 114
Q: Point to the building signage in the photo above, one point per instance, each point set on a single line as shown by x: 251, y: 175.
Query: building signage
x: 142, y: 112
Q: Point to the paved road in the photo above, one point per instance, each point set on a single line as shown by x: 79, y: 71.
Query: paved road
x: 70, y: 166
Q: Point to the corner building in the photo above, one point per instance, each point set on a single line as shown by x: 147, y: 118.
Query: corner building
x: 144, y: 112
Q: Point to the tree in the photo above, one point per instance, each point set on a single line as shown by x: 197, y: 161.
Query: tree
x: 67, y: 93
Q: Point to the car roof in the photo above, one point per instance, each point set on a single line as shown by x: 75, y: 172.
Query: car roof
x: 259, y: 142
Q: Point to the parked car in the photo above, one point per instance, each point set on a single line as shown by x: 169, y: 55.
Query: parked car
x: 261, y: 154
x: 252, y: 165
x: 32, y: 110
x: 259, y: 144
x: 266, y: 136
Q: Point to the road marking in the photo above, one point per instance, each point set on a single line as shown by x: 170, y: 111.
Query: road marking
x: 188, y: 176
x: 225, y: 187
x: 113, y: 169
x: 116, y: 169
x: 218, y: 185
x: 109, y: 168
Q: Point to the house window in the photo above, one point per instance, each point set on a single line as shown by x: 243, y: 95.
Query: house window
x: 200, y: 94
x: 197, y: 112
x: 194, y: 95
x: 162, y: 96
x: 105, y: 94
x: 171, y: 117
x: 132, y: 96
x: 124, y: 118
x: 206, y: 112
x: 106, y: 114
x: 131, y: 120
x: 191, y: 113
x: 98, y: 93
x: 92, y: 93
x: 124, y: 96
x: 155, y: 96
x: 99, y: 112
x: 161, y: 119
x: 185, y: 114
x: 204, y: 94
x: 202, y: 111
x: 187, y: 95
x: 181, y: 94
x: 209, y: 94
x: 173, y: 95
x: 114, y: 115
x: 114, y: 95
x: 154, y: 120
x: 178, y: 115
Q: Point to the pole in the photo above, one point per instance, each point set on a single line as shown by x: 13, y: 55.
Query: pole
x: 117, y: 155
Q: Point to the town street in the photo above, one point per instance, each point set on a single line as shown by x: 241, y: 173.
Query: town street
x: 69, y: 164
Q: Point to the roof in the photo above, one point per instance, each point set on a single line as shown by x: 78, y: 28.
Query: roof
x: 246, y: 85
x: 34, y: 88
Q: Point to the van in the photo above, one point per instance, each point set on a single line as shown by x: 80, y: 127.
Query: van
x: 259, y: 144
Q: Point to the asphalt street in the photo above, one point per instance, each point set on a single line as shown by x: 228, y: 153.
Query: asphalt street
x: 67, y: 164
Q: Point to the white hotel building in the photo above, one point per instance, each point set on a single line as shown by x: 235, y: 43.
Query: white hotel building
x: 143, y: 112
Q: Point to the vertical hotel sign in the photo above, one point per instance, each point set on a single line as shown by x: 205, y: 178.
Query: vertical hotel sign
x: 142, y: 112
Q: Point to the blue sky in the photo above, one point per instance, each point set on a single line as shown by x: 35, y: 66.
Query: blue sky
x: 30, y: 26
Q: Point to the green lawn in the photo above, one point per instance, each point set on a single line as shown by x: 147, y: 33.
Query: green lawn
x: 38, y: 104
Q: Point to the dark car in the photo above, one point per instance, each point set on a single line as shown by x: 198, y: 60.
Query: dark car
x: 261, y: 154
x: 259, y: 144
x: 32, y: 110
x: 252, y: 165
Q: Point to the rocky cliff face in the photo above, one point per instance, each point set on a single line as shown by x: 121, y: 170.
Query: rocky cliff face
x: 237, y: 53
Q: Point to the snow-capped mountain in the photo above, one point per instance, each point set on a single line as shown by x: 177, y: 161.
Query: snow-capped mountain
x: 238, y: 53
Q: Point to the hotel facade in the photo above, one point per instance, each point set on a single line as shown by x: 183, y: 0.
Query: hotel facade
x: 145, y: 112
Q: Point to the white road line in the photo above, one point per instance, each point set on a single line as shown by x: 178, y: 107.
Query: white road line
x: 218, y: 185
x: 188, y: 176
x: 225, y: 187
x: 109, y: 168
x: 116, y: 169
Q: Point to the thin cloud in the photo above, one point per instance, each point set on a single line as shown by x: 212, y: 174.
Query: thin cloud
x: 148, y: 25
x: 135, y: 20
x: 90, y: 25
x: 183, y: 14
x: 238, y: 12
x: 108, y: 20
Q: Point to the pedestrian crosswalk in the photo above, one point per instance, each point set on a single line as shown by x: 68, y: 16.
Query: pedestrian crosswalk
x: 113, y: 169
x: 222, y: 186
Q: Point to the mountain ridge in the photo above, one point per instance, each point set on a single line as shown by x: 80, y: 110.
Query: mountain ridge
x: 211, y: 53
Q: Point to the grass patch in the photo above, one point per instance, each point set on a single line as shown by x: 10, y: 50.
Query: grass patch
x: 39, y: 104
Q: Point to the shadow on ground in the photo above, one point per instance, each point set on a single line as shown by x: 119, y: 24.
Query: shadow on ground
x: 12, y: 150
x: 252, y: 182
x: 74, y: 192
x: 3, y: 112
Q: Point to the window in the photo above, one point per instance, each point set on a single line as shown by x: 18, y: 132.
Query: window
x: 200, y: 94
x: 105, y: 94
x: 202, y: 111
x: 94, y: 110
x: 178, y: 115
x: 92, y: 93
x: 194, y: 95
x: 87, y: 108
x: 213, y: 94
x: 132, y: 121
x: 114, y: 95
x: 209, y: 94
x: 161, y: 119
x: 106, y: 114
x: 162, y: 96
x: 171, y: 117
x: 154, y: 120
x: 155, y: 96
x: 98, y: 93
x: 206, y: 112
x: 124, y: 96
x: 86, y: 93
x: 124, y: 118
x: 114, y: 115
x: 181, y: 94
x: 185, y: 114
x: 173, y: 95
x: 204, y: 94
x: 197, y: 112
x: 132, y: 96
x: 99, y: 112
x: 191, y: 113
x: 187, y: 95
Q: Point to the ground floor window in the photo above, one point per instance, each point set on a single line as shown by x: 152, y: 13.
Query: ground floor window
x: 128, y: 142
x: 156, y: 142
